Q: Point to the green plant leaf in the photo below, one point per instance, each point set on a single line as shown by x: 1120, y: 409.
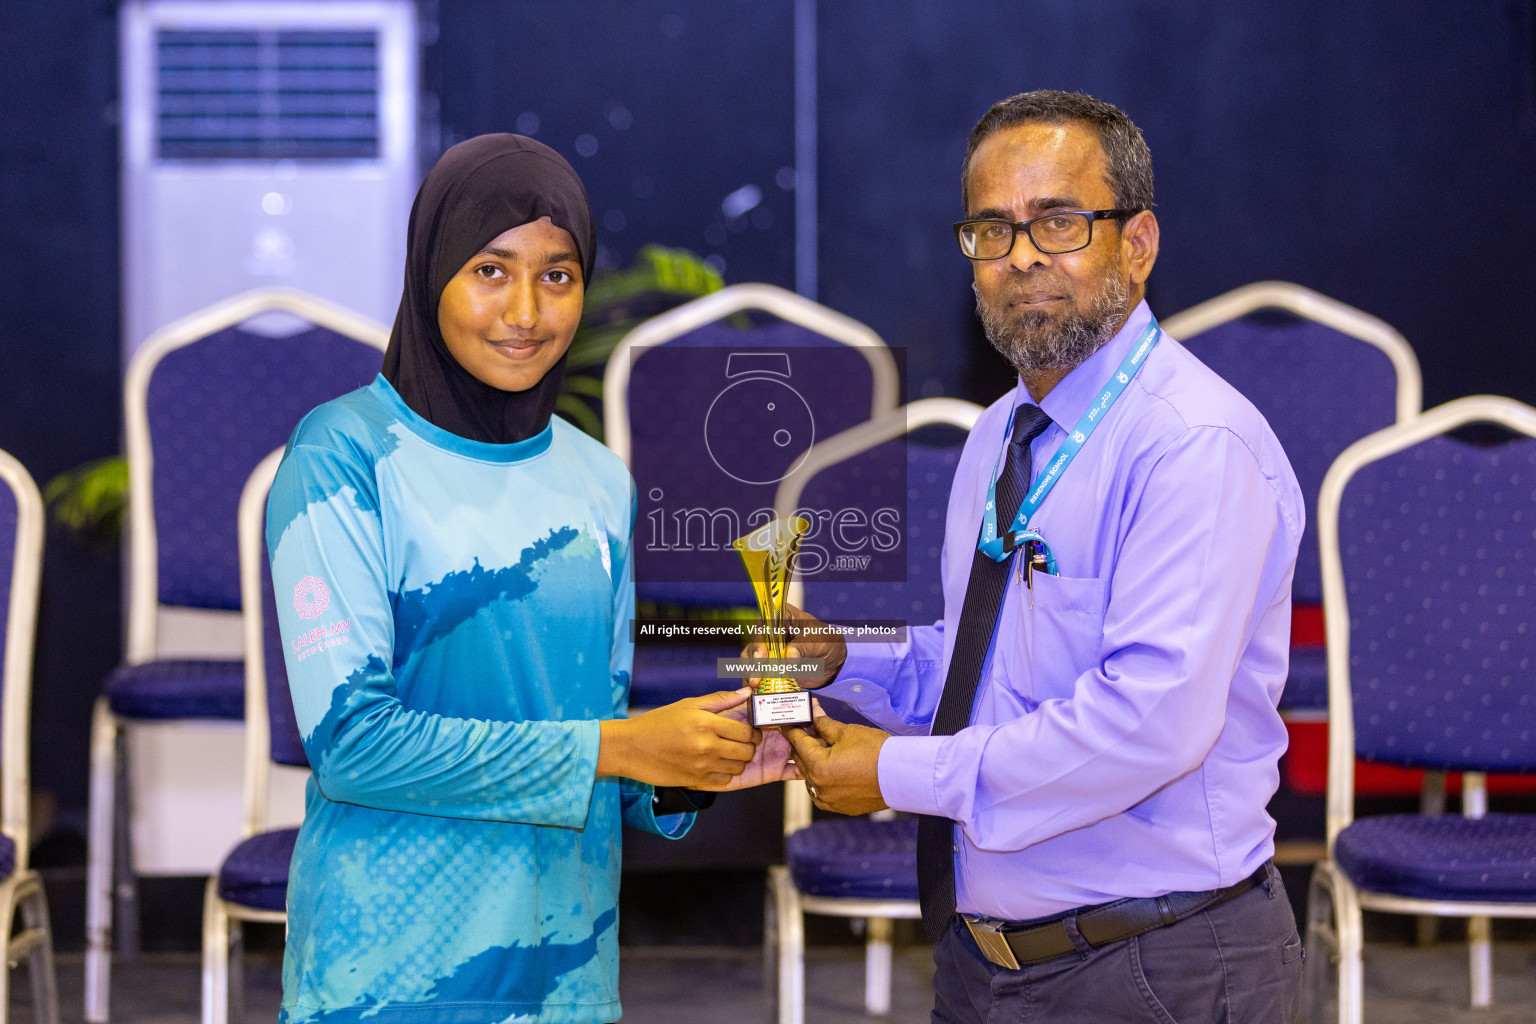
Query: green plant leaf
x: 616, y: 303
x: 91, y: 499
x: 590, y: 387
x: 579, y: 413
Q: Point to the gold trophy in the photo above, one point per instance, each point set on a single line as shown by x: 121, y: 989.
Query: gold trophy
x: 769, y: 553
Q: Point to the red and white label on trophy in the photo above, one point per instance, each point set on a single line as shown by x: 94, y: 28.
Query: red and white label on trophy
x: 771, y: 710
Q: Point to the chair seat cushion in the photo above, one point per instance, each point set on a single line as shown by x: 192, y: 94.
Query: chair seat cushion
x: 665, y: 673
x: 255, y: 874
x: 855, y: 857
x: 1306, y: 684
x: 1444, y: 857
x: 178, y: 689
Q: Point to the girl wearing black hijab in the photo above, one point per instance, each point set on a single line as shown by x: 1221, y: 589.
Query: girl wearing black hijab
x: 458, y: 639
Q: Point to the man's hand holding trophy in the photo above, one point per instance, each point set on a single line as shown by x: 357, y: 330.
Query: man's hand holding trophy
x: 769, y: 552
x: 807, y: 650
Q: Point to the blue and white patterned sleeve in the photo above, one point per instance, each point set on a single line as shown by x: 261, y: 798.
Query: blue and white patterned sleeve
x: 635, y: 797
x: 326, y: 537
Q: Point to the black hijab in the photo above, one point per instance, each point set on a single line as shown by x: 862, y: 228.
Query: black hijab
x: 480, y: 188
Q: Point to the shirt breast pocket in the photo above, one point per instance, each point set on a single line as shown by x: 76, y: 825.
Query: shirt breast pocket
x: 1062, y: 636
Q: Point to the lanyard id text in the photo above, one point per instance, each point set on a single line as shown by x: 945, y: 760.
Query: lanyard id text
x: 999, y: 547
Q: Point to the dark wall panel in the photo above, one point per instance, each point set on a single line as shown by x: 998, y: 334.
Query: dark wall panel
x: 1378, y: 153
x: 664, y: 107
x: 59, y: 347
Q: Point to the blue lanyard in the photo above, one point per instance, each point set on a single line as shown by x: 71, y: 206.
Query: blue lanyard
x: 999, y: 548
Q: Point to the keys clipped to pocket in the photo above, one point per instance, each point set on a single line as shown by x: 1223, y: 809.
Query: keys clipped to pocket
x: 1034, y: 555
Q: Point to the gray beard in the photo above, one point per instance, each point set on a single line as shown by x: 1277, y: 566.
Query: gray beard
x: 1041, y: 340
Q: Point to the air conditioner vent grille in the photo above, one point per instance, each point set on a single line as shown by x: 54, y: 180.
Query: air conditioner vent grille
x: 268, y: 95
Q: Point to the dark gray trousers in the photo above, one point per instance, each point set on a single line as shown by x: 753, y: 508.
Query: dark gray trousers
x: 1236, y: 963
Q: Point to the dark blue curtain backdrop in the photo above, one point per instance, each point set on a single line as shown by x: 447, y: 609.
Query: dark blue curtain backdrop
x: 664, y: 108
x: 1382, y: 153
x: 60, y: 374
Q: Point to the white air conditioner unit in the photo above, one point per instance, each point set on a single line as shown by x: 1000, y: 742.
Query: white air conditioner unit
x: 265, y: 143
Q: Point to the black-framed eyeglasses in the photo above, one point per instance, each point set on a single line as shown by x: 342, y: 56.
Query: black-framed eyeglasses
x: 1053, y: 234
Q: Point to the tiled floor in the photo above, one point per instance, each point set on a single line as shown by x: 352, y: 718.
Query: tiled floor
x: 674, y: 985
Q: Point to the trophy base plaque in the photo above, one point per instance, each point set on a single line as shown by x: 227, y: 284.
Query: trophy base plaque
x: 780, y: 702
x: 769, y: 555
x: 771, y: 710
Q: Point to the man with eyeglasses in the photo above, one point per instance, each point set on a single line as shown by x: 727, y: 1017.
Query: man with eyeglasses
x: 1090, y: 734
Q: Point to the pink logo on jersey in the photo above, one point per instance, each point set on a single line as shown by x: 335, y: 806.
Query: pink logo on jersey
x: 311, y: 597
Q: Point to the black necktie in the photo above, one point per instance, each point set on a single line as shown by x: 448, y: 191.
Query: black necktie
x: 978, y: 619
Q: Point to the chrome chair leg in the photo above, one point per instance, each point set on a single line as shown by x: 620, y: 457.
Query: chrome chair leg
x: 215, y: 956
x: 40, y: 966
x: 99, y: 864
x: 1480, y: 957
x: 236, y: 972
x: 791, y: 925
x: 125, y: 883
x: 877, y: 966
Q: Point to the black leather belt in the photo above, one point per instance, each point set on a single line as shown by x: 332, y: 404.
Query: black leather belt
x: 1009, y: 945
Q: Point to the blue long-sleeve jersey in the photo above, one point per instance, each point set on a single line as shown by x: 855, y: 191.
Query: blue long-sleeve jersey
x: 455, y: 617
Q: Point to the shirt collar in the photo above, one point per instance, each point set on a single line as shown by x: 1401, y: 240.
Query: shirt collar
x: 437, y: 437
x: 1070, y: 398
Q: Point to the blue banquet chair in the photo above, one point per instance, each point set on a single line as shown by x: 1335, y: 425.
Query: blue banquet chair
x: 863, y: 868
x: 679, y: 376
x: 1324, y: 375
x: 252, y: 882
x: 1429, y: 572
x: 205, y: 399
x: 21, y: 888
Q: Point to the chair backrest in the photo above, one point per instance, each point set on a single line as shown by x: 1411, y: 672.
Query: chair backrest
x: 843, y: 471
x: 710, y: 412
x: 1429, y: 597
x: 204, y: 399
x: 21, y: 564
x: 1324, y: 376
x: 271, y: 728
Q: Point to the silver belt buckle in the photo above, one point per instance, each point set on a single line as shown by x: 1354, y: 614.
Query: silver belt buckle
x: 991, y: 941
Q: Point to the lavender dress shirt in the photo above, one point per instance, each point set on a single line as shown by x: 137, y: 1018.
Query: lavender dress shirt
x: 1125, y: 738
